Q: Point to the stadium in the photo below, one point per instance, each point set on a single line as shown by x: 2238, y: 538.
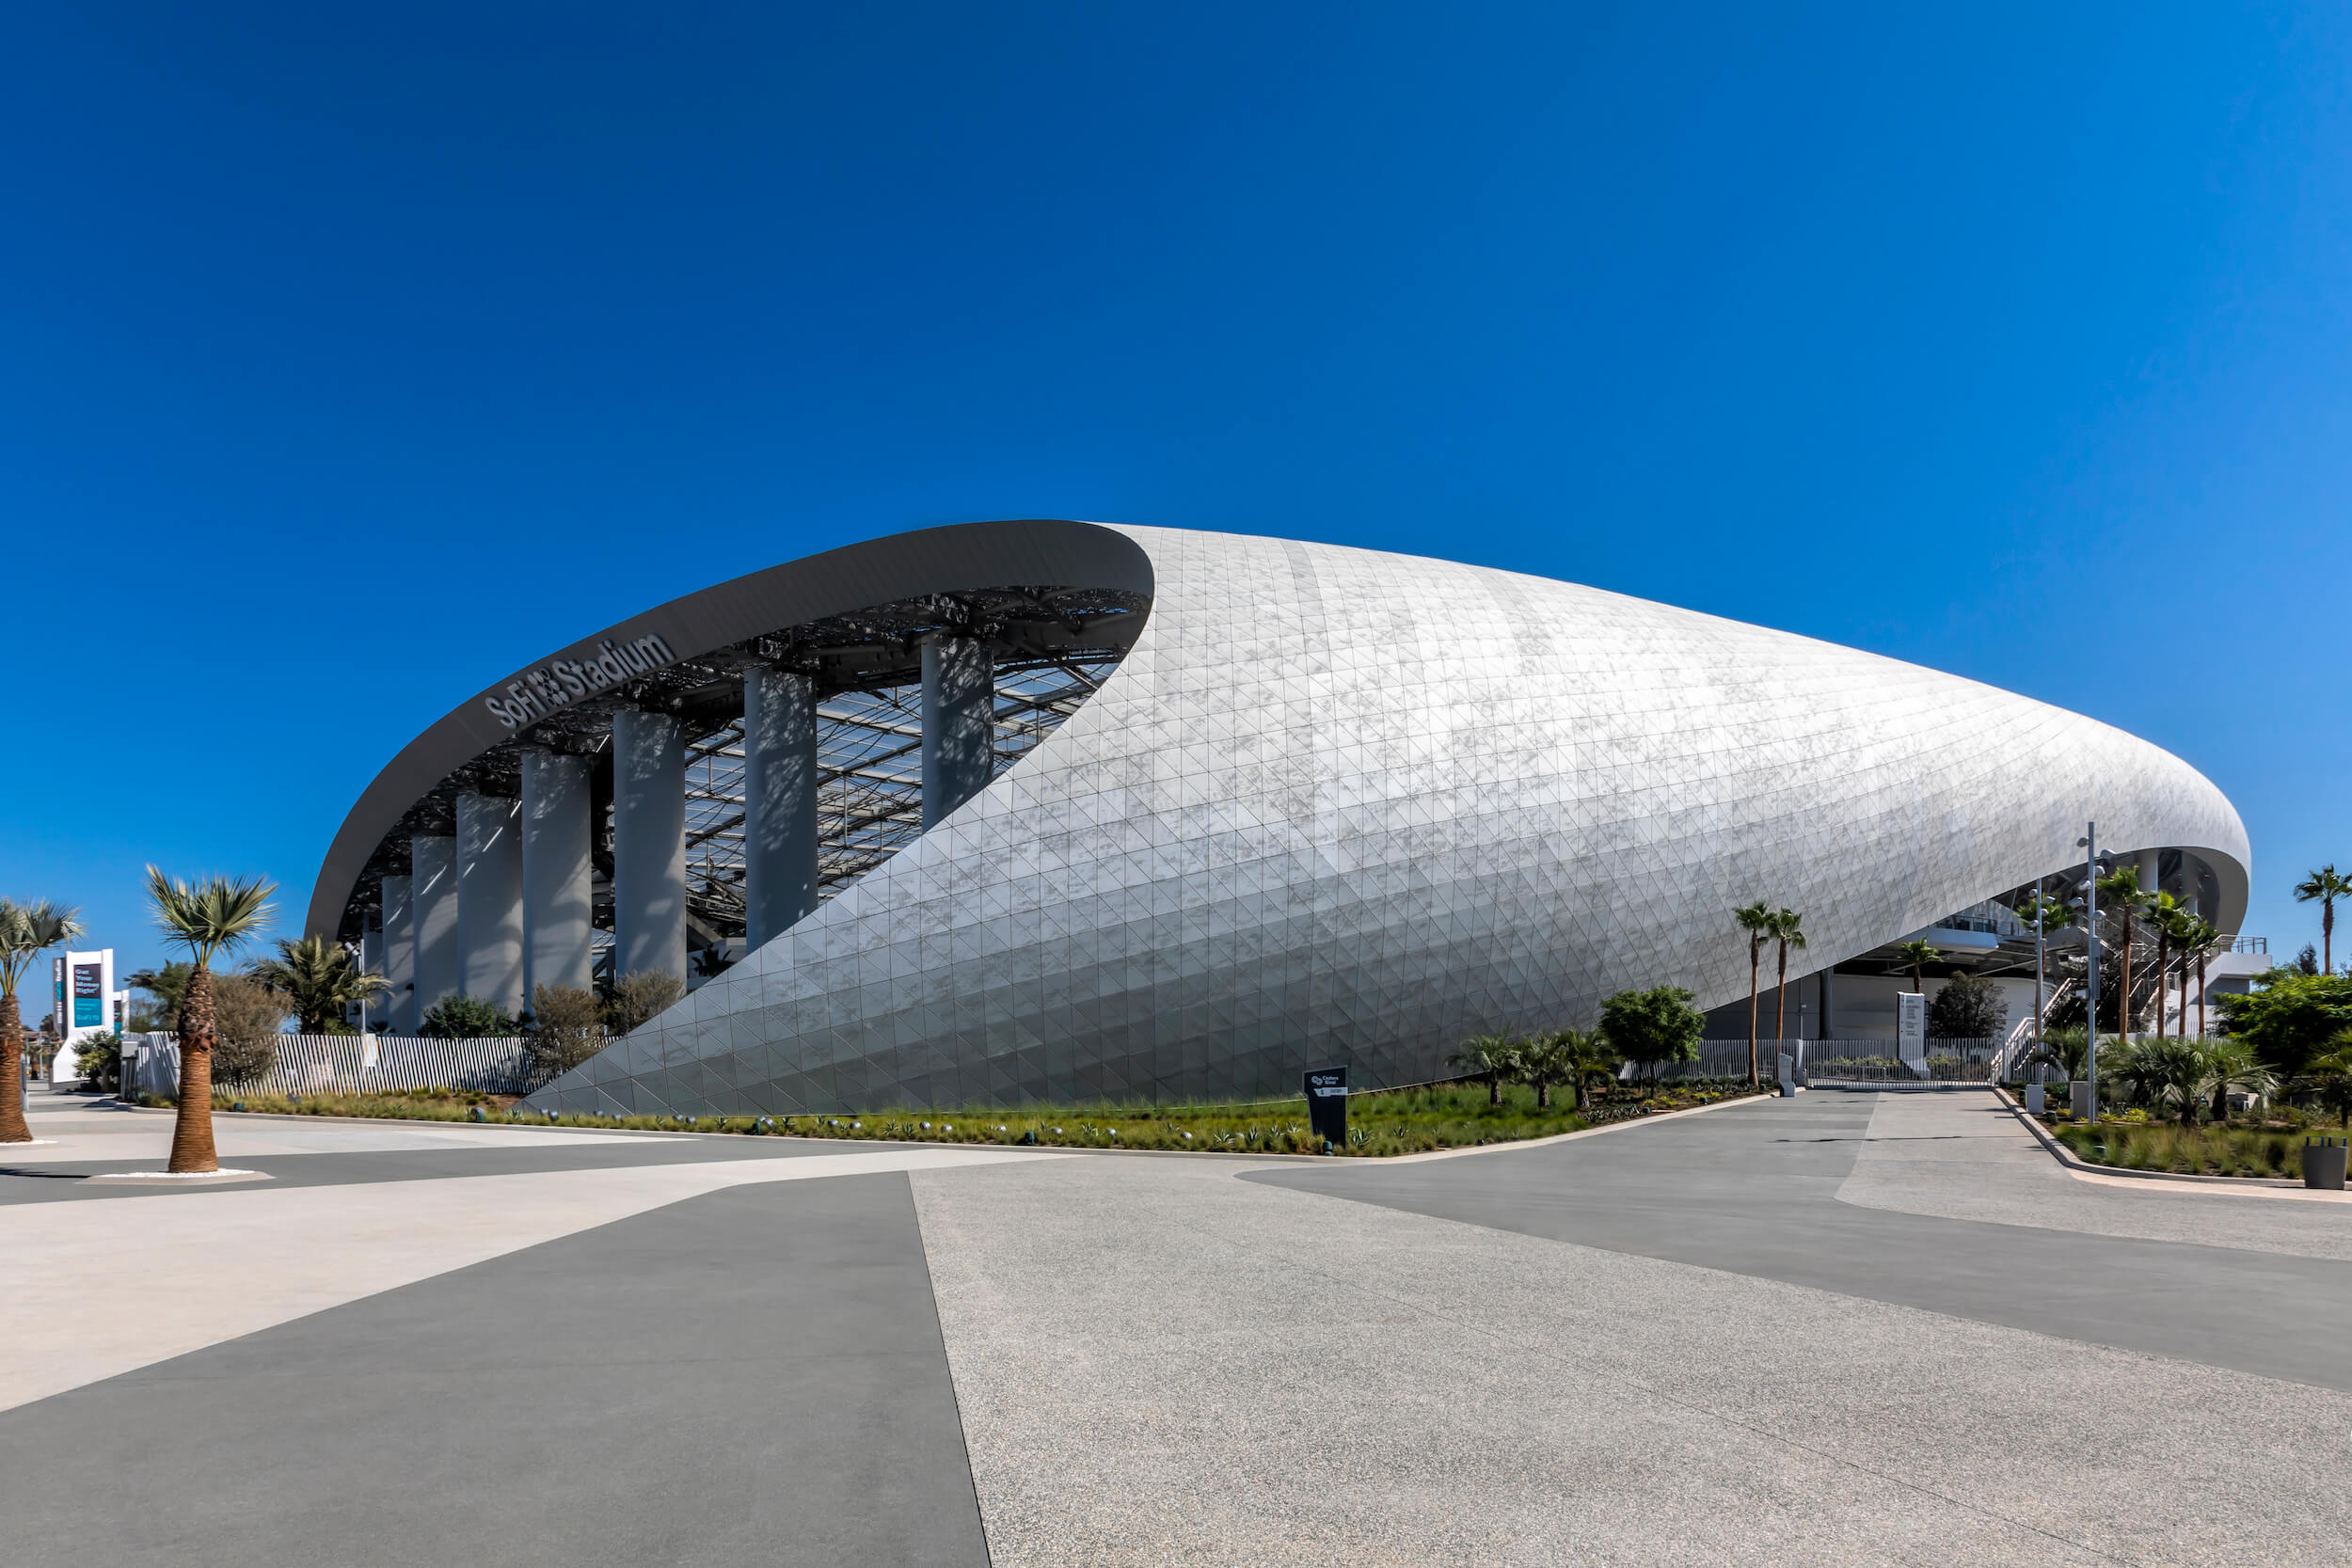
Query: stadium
x: 1050, y: 811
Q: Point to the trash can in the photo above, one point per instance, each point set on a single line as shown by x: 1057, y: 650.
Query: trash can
x: 2036, y: 1100
x: 2323, y: 1163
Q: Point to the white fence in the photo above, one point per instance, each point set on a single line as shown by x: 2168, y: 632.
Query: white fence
x: 348, y: 1064
x: 1851, y: 1061
x: 1943, y: 1061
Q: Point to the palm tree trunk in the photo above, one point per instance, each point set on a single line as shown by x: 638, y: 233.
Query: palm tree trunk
x: 2164, y: 941
x: 2201, y: 994
x: 12, y: 1127
x: 2327, y: 936
x: 2123, y: 1005
x: 1494, y: 1088
x: 192, y: 1150
x: 1780, y: 1002
x: 1755, y: 958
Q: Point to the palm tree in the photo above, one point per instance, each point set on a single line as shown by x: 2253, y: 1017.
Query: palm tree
x: 2230, y: 1064
x: 2332, y: 1075
x: 2067, y: 1050
x: 2038, y: 912
x: 165, y: 985
x: 1493, y: 1057
x: 25, y: 931
x: 1756, y: 920
x: 1787, y: 930
x: 2145, y: 1070
x: 2164, y: 917
x: 1540, y: 1063
x: 2120, y: 888
x: 318, y: 977
x: 217, y: 915
x: 1589, y: 1059
x: 2202, y: 936
x: 2325, y: 887
x: 1918, y: 955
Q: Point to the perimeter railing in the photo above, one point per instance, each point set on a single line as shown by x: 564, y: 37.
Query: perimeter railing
x: 1874, y: 1061
x: 349, y: 1063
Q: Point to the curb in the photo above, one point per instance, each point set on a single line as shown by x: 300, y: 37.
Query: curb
x: 1556, y: 1137
x: 2076, y: 1164
x: 431, y: 1121
x: 1330, y: 1161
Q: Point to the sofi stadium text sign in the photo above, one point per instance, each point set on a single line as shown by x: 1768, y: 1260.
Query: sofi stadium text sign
x: 561, y: 682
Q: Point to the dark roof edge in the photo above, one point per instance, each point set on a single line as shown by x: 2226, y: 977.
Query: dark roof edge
x: 963, y: 556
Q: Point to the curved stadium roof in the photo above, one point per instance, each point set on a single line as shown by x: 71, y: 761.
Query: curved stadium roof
x: 1310, y: 804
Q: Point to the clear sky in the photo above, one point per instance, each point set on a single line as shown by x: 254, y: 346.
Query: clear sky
x: 352, y: 356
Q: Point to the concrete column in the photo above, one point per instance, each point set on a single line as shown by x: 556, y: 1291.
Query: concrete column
x: 779, y: 801
x: 400, y: 957
x: 2149, y: 878
x: 958, y: 723
x: 1828, y: 1030
x: 433, y: 867
x: 559, y: 899
x: 648, y: 844
x: 372, y: 961
x: 490, y: 901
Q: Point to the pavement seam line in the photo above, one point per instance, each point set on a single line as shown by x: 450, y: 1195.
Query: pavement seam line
x: 1710, y: 1411
x: 947, y: 1359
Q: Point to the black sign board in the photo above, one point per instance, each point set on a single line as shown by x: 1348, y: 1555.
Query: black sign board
x: 1326, y: 1104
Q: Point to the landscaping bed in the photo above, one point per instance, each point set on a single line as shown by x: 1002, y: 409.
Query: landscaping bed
x: 2250, y: 1149
x: 1397, y: 1121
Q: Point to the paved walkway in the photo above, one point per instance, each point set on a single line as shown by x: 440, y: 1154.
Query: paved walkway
x: 1838, y: 1329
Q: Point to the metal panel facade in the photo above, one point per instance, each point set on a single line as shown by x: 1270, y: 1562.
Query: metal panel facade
x: 1339, y: 807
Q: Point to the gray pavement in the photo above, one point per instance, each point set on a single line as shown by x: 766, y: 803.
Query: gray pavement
x: 1839, y: 1329
x: 1754, y: 1188
x: 1964, y: 1157
x: 1165, y: 1365
x: 731, y: 1379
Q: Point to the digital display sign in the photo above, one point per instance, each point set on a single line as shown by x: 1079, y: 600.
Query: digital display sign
x: 89, y: 996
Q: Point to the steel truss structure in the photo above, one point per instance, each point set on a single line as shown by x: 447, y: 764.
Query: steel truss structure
x: 1053, y: 647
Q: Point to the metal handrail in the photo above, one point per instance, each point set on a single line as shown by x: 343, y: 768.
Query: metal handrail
x: 2021, y: 1036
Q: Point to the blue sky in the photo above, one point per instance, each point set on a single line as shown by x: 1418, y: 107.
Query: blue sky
x: 351, y: 359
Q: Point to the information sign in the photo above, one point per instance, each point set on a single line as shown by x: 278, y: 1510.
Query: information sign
x: 1326, y: 1104
x: 89, y: 996
x: 1911, y: 1026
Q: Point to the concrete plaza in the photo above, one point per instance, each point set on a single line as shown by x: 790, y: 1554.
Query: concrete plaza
x: 1842, y: 1328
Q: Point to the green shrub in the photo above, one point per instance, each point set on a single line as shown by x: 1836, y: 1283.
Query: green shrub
x: 98, y: 1060
x: 638, y: 998
x: 457, y: 1017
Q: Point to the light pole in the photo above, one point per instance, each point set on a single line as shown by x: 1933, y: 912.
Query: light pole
x: 2041, y: 920
x: 2090, y: 842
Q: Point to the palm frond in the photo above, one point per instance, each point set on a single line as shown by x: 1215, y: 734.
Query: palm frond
x: 214, y: 915
x: 25, y: 930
